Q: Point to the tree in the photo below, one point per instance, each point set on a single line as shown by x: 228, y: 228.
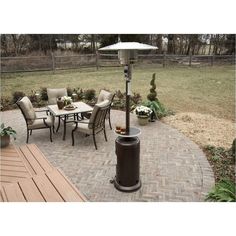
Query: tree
x: 171, y: 47
x: 43, y: 42
x: 230, y: 44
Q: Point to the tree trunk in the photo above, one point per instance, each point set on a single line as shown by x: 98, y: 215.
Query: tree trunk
x: 159, y: 43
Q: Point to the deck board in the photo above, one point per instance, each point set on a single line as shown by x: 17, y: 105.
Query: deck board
x: 30, y: 190
x: 46, y: 188
x: 26, y: 175
x: 13, y: 193
x: 65, y: 189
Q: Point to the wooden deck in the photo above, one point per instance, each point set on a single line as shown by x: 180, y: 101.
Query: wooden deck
x: 26, y: 175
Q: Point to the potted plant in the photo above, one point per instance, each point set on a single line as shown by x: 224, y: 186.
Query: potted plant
x: 143, y: 114
x: 5, y: 135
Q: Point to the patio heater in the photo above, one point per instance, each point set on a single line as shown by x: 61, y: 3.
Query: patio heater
x: 128, y: 145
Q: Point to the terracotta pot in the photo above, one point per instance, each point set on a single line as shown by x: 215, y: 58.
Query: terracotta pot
x: 143, y: 120
x: 5, y: 141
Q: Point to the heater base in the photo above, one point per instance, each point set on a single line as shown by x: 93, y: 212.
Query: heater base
x: 127, y: 189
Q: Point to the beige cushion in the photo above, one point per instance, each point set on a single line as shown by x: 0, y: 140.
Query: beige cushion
x: 39, y: 123
x: 95, y: 110
x: 104, y: 95
x: 83, y: 127
x: 27, y: 108
x: 53, y: 94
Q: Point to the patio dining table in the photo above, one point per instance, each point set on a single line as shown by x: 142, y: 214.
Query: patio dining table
x: 81, y: 107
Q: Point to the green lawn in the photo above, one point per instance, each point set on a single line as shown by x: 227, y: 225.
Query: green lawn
x: 205, y: 90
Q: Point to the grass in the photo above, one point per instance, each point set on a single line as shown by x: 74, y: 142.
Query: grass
x: 207, y: 90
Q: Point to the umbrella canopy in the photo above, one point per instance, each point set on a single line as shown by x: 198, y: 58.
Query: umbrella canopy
x: 128, y: 46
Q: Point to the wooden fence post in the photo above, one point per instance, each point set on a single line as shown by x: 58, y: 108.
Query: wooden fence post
x: 53, y: 62
x: 190, y: 59
x: 212, y: 59
x: 164, y: 60
x: 97, y: 60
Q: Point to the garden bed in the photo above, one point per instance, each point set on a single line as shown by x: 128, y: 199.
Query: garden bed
x: 203, y: 129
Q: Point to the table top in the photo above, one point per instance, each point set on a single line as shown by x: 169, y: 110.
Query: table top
x: 81, y: 107
x: 133, y: 132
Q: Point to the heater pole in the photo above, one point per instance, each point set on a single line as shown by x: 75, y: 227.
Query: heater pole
x: 128, y: 93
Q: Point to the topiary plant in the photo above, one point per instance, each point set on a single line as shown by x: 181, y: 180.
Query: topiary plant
x: 152, y: 96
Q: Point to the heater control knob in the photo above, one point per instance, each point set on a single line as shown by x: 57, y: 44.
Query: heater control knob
x: 126, y: 71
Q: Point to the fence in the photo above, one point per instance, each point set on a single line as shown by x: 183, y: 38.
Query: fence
x: 53, y: 62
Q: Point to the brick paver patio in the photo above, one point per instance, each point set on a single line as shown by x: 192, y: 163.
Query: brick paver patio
x: 173, y: 168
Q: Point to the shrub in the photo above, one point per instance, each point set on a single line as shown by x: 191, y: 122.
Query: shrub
x: 120, y: 95
x: 44, y: 94
x: 5, y: 104
x: 136, y: 98
x: 119, y: 100
x: 17, y: 95
x: 80, y: 94
x: 89, y: 94
x: 152, y: 96
x: 224, y: 191
x: 69, y: 92
x: 222, y: 162
x: 33, y: 97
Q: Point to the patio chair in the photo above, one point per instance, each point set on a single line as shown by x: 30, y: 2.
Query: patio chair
x: 53, y: 95
x: 104, y: 95
x: 32, y: 121
x: 95, y: 124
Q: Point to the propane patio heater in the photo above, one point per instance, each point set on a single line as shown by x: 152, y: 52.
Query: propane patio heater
x: 128, y: 145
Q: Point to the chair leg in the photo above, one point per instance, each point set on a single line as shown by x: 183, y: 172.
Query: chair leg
x: 72, y: 136
x: 50, y: 133
x: 31, y: 132
x: 109, y: 119
x: 94, y: 140
x: 59, y: 122
x: 53, y: 129
x: 105, y: 135
x: 27, y: 138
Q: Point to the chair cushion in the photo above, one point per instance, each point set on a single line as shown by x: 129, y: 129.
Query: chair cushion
x: 53, y: 94
x: 95, y: 109
x: 104, y: 95
x: 39, y: 123
x: 83, y: 127
x: 27, y: 108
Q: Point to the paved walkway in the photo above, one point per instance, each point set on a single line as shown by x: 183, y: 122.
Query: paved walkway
x: 173, y: 168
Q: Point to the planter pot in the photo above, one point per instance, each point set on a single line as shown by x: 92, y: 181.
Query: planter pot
x: 5, y: 141
x: 143, y: 120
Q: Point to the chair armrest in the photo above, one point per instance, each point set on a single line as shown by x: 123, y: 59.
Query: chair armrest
x: 78, y: 121
x: 41, y: 118
x: 44, y: 110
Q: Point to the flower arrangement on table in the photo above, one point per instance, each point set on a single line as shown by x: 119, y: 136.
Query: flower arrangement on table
x: 67, y: 100
x: 143, y: 111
